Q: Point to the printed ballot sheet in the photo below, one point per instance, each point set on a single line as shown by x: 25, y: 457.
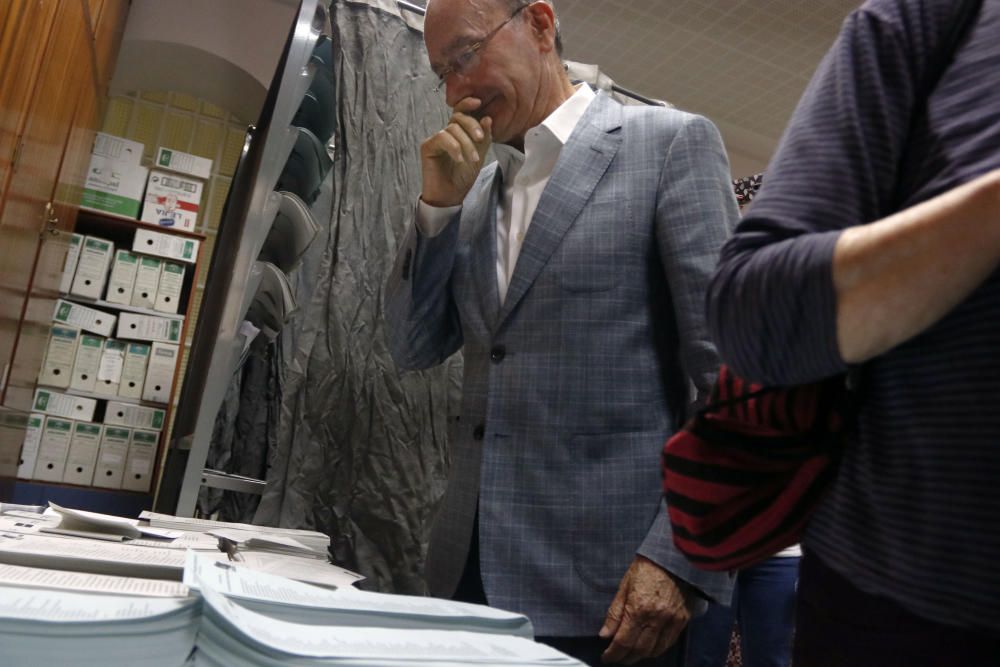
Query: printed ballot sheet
x: 62, y: 580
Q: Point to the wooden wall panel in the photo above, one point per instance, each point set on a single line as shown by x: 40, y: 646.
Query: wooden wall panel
x: 62, y: 80
x: 23, y: 41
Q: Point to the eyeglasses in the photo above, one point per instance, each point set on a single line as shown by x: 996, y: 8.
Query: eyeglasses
x: 468, y: 58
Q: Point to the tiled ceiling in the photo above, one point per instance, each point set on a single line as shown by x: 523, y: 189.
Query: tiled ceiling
x: 742, y: 63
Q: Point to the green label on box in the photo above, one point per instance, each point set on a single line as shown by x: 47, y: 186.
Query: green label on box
x: 126, y: 256
x: 165, y: 157
x: 59, y: 425
x: 173, y: 268
x: 138, y: 348
x: 105, y: 201
x: 97, y: 244
x: 88, y: 429
x: 175, y: 331
x: 62, y: 313
x: 91, y: 341
x: 144, y: 437
x: 41, y: 401
x: 188, y: 250
x: 158, y: 419
x: 116, y: 433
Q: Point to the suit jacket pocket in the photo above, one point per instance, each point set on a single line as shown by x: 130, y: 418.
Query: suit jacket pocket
x: 617, y: 495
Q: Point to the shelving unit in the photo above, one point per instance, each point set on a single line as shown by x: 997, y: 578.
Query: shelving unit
x: 121, y: 231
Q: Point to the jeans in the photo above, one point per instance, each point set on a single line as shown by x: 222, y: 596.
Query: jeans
x: 764, y: 605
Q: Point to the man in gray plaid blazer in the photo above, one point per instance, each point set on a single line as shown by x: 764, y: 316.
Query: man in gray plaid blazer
x: 572, y: 273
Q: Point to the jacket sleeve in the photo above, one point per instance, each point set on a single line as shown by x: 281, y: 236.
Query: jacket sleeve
x: 421, y: 317
x: 695, y: 214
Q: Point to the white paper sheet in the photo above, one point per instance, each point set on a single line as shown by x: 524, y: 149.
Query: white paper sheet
x: 16, y: 575
x: 80, y: 520
x: 36, y: 604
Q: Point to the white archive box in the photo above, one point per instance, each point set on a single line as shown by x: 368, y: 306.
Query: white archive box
x: 139, y: 462
x: 147, y: 277
x: 160, y: 372
x: 111, y: 457
x: 134, y: 416
x: 53, y: 449
x: 122, y: 279
x: 115, y: 178
x: 64, y: 405
x: 172, y: 200
x: 92, y: 267
x: 134, y: 370
x: 168, y: 246
x: 29, y: 449
x: 168, y: 291
x: 109, y: 373
x: 87, y: 363
x: 149, y: 328
x: 193, y: 165
x: 88, y: 319
x: 60, y: 353
x: 69, y: 267
x: 82, y: 456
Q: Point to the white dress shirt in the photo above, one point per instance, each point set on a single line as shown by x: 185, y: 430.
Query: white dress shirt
x: 525, y: 176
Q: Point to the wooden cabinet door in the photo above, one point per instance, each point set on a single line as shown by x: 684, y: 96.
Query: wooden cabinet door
x: 24, y: 37
x: 30, y: 228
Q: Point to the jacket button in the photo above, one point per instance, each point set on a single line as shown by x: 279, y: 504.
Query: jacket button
x: 498, y: 353
x: 479, y: 432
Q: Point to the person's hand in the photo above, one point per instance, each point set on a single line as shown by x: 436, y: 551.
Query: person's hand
x: 647, y: 615
x: 451, y: 159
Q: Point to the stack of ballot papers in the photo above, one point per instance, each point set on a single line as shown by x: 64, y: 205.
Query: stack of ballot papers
x: 231, y: 634
x: 314, y: 540
x: 281, y: 598
x: 264, y: 542
x: 58, y: 627
x: 136, y: 559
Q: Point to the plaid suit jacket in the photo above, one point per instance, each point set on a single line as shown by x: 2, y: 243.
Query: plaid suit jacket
x: 572, y: 385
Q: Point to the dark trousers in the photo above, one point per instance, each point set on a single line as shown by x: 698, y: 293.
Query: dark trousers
x: 585, y: 649
x: 838, y: 625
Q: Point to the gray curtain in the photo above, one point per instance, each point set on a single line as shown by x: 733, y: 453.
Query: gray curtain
x: 355, y: 449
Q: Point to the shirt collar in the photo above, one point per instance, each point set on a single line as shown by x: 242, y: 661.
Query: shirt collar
x: 560, y: 123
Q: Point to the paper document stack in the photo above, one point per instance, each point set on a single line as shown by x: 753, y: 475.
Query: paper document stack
x: 55, y: 627
x: 263, y: 542
x: 282, y: 598
x: 311, y: 538
x: 231, y: 634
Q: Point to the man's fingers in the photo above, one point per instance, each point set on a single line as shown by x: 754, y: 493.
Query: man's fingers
x: 451, y: 146
x: 613, y: 619
x: 465, y: 141
x: 470, y: 125
x: 467, y: 104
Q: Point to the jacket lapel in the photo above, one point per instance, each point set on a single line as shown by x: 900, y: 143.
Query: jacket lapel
x: 483, y: 246
x: 581, y: 165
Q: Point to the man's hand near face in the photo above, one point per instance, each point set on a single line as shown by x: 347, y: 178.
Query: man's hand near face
x: 452, y: 158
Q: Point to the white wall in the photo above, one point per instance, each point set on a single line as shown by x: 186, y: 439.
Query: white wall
x: 223, y: 51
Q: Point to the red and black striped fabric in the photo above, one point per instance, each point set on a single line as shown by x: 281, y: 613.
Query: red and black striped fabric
x: 742, y: 477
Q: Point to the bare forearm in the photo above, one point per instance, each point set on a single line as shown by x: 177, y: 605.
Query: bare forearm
x: 898, y: 276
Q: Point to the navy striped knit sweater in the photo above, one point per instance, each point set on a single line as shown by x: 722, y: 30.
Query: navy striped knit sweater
x: 914, y: 514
